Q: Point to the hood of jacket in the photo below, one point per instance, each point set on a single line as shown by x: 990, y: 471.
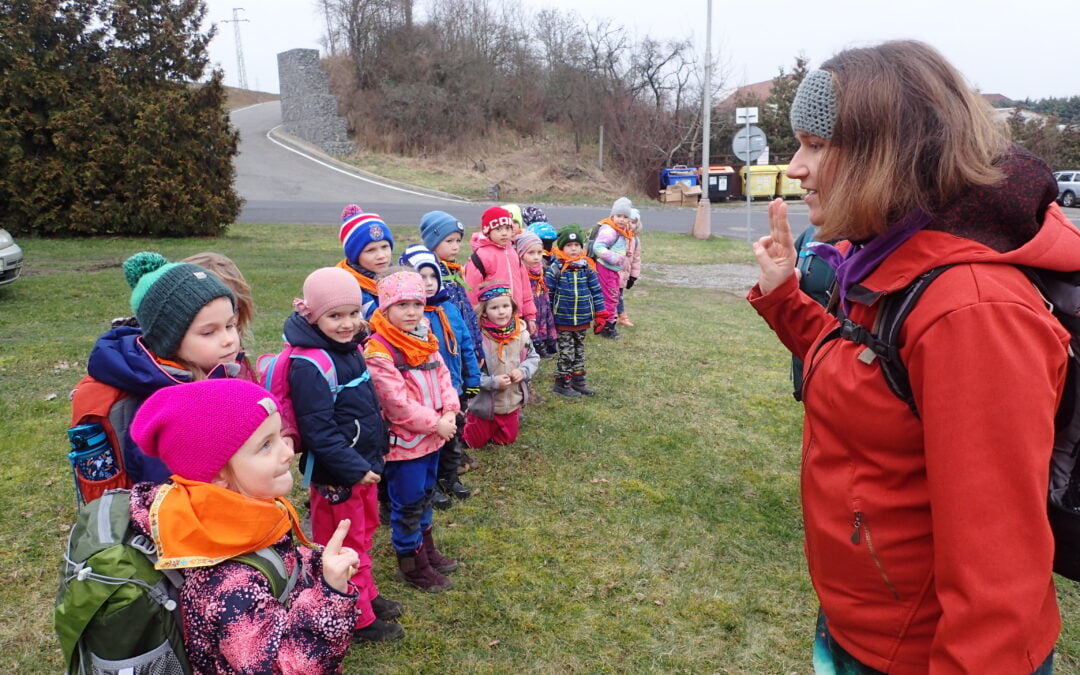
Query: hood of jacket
x: 479, y: 240
x: 120, y: 359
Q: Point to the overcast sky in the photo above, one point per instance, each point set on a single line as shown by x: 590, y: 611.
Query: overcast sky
x: 1019, y: 49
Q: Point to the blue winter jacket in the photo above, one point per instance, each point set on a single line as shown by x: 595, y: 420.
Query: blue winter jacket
x: 457, y: 295
x: 575, y: 293
x: 347, y: 436
x: 462, y: 364
x: 119, y: 359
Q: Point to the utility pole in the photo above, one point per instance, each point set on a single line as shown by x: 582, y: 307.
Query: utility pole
x: 703, y: 217
x: 236, y: 21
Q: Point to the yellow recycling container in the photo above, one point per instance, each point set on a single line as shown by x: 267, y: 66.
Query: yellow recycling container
x: 787, y: 187
x: 762, y: 181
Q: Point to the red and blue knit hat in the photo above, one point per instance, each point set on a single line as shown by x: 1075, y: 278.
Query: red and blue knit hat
x: 360, y: 229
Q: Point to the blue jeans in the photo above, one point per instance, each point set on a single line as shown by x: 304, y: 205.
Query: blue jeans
x: 409, y: 485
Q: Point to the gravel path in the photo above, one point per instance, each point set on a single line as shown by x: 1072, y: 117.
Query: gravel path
x: 727, y: 277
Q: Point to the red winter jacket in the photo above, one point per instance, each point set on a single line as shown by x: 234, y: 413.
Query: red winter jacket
x: 926, y: 539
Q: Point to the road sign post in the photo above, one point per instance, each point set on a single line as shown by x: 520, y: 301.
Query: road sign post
x: 748, y: 145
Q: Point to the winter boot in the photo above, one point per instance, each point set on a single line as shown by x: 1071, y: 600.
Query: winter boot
x: 414, y: 569
x: 439, y: 499
x: 609, y: 331
x: 543, y: 350
x: 378, y: 631
x: 386, y: 609
x: 577, y: 381
x: 467, y: 463
x: 562, y: 387
x: 534, y: 398
x: 453, y: 487
x: 437, y: 561
x: 624, y: 320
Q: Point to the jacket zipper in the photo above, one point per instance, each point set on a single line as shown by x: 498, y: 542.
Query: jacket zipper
x: 860, y: 525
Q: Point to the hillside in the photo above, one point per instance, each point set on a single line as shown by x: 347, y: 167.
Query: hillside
x: 239, y: 98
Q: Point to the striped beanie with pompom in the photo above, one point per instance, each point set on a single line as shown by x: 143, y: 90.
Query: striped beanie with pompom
x: 360, y: 229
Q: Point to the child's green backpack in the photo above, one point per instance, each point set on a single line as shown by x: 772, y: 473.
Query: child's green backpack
x: 114, y: 612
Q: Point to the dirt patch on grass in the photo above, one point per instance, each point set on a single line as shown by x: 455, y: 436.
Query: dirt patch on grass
x: 730, y: 277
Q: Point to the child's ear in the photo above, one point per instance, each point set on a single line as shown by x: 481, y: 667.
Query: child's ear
x: 222, y: 479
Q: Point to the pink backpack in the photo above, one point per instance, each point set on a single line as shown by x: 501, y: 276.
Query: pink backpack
x: 274, y: 374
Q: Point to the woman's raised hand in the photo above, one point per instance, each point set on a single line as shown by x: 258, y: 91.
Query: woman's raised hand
x: 775, y: 252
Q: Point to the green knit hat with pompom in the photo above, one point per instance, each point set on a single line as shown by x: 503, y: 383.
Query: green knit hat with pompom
x: 166, y: 297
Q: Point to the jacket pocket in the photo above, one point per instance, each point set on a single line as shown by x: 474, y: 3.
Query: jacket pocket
x: 861, y: 536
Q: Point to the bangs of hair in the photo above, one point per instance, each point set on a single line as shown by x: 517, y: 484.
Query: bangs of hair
x: 910, y: 133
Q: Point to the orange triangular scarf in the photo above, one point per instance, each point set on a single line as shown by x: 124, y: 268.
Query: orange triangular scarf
x: 448, y: 332
x: 501, y: 334
x: 611, y: 223
x: 567, y: 259
x: 366, y: 283
x: 541, y: 283
x: 196, y: 524
x: 455, y: 274
x: 415, y: 350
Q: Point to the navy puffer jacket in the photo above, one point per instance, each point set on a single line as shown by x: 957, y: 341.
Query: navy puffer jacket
x: 347, y: 437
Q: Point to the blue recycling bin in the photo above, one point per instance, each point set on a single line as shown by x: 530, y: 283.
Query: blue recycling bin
x: 678, y: 174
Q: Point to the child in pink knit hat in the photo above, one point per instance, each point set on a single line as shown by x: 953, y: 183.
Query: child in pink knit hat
x: 420, y: 404
x: 231, y: 471
x: 341, y: 431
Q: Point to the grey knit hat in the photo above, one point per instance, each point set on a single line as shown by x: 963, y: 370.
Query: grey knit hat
x: 814, y: 107
x: 622, y: 207
x: 166, y: 297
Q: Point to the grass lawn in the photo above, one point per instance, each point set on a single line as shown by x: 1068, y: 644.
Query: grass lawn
x: 653, y: 528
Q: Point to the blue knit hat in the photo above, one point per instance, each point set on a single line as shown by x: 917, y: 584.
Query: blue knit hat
x: 361, y: 229
x: 436, y: 226
x: 417, y: 256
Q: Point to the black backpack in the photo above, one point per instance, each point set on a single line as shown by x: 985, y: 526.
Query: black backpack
x: 1061, y: 291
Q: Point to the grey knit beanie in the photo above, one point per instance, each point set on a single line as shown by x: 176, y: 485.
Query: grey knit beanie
x: 166, y: 297
x: 814, y: 107
x: 621, y: 207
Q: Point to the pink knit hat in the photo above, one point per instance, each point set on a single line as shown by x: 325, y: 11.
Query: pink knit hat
x: 325, y: 289
x: 196, y: 428
x: 525, y: 240
x: 399, y: 287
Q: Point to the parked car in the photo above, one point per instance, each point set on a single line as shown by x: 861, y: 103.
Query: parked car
x: 11, y: 258
x: 1068, y: 187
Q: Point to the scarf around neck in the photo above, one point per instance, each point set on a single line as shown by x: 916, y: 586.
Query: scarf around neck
x: 196, y: 524
x: 454, y: 273
x: 502, y: 335
x: 415, y: 350
x: 626, y: 234
x: 568, y: 260
x: 444, y: 321
x: 363, y: 277
x: 538, y: 278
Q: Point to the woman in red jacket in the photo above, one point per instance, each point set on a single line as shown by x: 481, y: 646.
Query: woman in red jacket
x: 926, y: 535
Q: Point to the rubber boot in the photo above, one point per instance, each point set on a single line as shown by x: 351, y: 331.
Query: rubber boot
x: 414, y: 569
x: 437, y: 560
x: 562, y: 387
x: 450, y: 485
x: 386, y: 609
x: 624, y: 320
x: 577, y: 381
x: 439, y: 499
x: 379, y: 631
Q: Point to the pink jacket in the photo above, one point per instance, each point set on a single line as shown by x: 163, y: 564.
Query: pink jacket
x: 632, y: 266
x: 502, y: 263
x: 412, y: 401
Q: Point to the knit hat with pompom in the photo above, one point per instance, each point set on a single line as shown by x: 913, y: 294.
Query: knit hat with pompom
x: 166, y: 297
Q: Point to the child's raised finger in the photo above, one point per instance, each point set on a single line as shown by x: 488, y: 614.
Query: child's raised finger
x: 333, y: 547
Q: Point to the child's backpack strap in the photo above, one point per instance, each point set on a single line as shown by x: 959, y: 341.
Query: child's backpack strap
x: 478, y: 263
x: 272, y: 565
x: 394, y: 352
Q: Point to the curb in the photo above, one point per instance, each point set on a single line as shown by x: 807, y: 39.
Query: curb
x: 312, y: 152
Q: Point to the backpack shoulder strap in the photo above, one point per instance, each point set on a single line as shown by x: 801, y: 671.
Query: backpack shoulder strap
x: 321, y: 360
x: 399, y: 358
x: 478, y: 263
x: 272, y: 566
x: 881, y: 342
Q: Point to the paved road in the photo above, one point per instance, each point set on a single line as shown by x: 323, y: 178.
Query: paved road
x: 282, y: 185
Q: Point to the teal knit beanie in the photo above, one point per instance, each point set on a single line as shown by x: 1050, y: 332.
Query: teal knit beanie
x: 166, y: 297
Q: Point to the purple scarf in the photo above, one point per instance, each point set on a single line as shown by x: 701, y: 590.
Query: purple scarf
x: 861, y: 260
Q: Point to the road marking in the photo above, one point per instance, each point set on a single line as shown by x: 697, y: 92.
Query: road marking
x: 357, y: 177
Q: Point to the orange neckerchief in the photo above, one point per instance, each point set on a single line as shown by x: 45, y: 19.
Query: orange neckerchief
x: 538, y: 277
x: 366, y: 283
x: 456, y: 273
x: 567, y: 259
x: 411, y: 347
x: 628, y: 235
x: 499, y: 334
x: 196, y: 524
x: 448, y: 332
